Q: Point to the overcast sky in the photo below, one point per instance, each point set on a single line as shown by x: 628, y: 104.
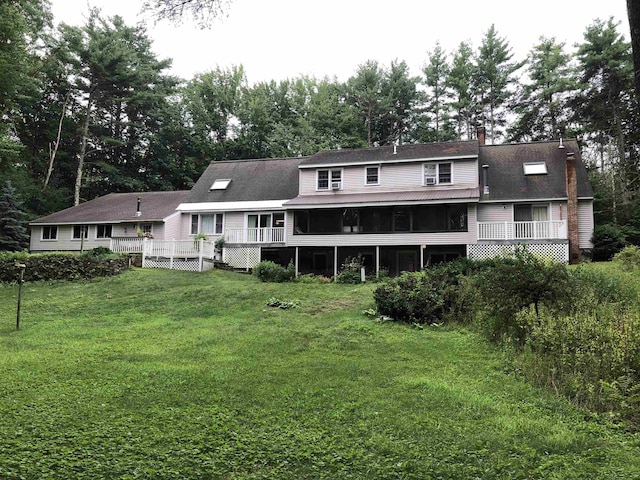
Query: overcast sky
x: 278, y: 39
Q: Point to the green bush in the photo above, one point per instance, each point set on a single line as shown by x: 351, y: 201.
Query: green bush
x: 268, y: 271
x: 59, y: 266
x: 513, y: 284
x: 628, y: 258
x: 608, y: 239
x: 351, y: 271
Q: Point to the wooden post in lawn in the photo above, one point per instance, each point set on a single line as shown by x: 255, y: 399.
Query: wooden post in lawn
x: 21, y: 266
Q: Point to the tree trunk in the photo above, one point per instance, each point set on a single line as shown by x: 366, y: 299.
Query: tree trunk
x: 83, y: 151
x: 633, y: 12
x: 54, y: 151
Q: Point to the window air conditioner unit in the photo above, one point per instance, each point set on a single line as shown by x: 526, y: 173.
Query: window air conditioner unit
x: 430, y: 181
x: 336, y: 185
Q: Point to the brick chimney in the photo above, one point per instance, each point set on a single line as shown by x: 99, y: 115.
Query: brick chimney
x: 572, y: 209
x: 481, y: 134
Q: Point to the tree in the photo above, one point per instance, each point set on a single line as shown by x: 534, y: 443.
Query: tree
x: 436, y: 75
x: 365, y: 93
x: 13, y: 233
x: 202, y: 11
x: 460, y: 83
x: 541, y: 108
x: 494, y: 76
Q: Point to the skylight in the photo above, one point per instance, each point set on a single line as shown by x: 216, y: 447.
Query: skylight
x: 220, y: 184
x: 535, y: 168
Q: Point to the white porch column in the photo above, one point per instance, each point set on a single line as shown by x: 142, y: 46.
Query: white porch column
x: 335, y: 262
x: 422, y: 247
x: 201, y: 249
x: 173, y: 252
x: 377, y: 260
x: 296, y: 261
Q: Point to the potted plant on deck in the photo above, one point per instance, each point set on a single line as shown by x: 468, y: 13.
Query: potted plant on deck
x: 219, y: 244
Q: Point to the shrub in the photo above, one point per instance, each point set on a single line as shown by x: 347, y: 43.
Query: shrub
x: 98, y: 252
x: 268, y: 271
x: 412, y: 297
x: 351, y: 271
x: 311, y: 278
x: 60, y: 266
x: 513, y: 284
x: 628, y: 258
x: 608, y: 239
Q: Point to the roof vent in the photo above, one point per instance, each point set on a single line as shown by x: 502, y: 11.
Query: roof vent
x: 561, y: 145
x: 395, y: 149
x: 138, y: 211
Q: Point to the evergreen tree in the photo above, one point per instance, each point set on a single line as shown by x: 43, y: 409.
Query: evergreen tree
x: 13, y: 232
x: 494, y: 77
x: 460, y: 83
x: 541, y: 108
x: 436, y: 75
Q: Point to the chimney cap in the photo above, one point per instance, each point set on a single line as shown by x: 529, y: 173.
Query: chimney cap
x: 485, y: 166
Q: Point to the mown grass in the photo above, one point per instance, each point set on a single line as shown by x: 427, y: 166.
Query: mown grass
x: 159, y: 374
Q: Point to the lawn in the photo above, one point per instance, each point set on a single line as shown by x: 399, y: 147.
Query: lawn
x: 163, y: 374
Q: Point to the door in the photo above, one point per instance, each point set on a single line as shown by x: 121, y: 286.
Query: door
x: 407, y: 261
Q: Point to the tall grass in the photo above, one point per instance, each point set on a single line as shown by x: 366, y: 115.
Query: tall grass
x: 159, y: 374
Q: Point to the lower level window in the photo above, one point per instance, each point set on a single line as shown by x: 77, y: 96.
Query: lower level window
x: 210, y: 223
x: 49, y: 233
x: 103, y: 231
x: 80, y: 231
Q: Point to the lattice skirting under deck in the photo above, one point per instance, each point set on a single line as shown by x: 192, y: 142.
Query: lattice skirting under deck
x: 241, y: 257
x: 555, y: 251
x: 190, y: 265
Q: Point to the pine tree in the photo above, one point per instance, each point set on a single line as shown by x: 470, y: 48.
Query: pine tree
x: 13, y: 233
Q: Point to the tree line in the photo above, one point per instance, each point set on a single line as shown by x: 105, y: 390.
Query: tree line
x: 88, y: 110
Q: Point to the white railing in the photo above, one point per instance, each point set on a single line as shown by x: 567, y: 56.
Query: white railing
x: 553, y: 229
x: 178, y: 248
x: 126, y: 244
x: 255, y: 235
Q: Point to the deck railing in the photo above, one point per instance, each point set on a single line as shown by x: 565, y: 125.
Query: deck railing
x: 553, y: 229
x: 255, y: 235
x: 178, y: 248
x: 126, y: 245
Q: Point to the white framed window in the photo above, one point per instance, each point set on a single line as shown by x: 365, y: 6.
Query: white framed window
x: 207, y: 223
x: 372, y: 175
x: 535, y: 168
x: 329, y: 179
x: 80, y: 231
x: 50, y: 233
x: 104, y: 231
x: 437, y: 173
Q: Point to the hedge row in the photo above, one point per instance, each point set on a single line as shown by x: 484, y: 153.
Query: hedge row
x: 59, y: 266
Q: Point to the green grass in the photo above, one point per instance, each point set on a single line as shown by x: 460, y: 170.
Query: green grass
x: 161, y: 374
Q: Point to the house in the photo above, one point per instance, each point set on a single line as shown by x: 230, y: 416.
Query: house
x: 114, y: 219
x: 397, y: 207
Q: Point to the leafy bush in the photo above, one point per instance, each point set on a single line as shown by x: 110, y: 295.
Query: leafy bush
x: 268, y: 271
x: 311, y: 278
x: 608, y: 239
x: 60, y: 266
x: 412, y: 297
x: 592, y: 287
x: 351, y: 271
x: 628, y: 258
x: 513, y: 284
x: 282, y: 304
x: 98, y: 252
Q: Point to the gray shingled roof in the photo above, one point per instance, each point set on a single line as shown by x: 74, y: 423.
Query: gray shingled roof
x: 119, y: 207
x: 251, y: 180
x: 507, y: 180
x: 385, y: 154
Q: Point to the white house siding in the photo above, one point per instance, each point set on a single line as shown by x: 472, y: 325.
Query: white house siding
x: 495, y: 212
x: 585, y: 223
x: 64, y: 242
x: 393, y: 177
x: 172, y: 228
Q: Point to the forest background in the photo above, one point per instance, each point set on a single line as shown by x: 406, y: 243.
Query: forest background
x: 90, y: 110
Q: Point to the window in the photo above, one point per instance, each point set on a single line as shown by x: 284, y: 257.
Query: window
x: 372, y: 175
x: 210, y: 224
x: 103, y: 231
x: 49, y: 233
x: 220, y: 184
x: 438, y: 173
x: 329, y: 180
x: 535, y: 168
x: 80, y: 231
x: 146, y: 229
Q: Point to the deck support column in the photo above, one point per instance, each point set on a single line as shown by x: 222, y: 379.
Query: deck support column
x: 297, y: 261
x: 422, y: 247
x: 335, y: 262
x: 377, y: 260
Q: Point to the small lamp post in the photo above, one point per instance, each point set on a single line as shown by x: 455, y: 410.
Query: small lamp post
x: 21, y: 266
